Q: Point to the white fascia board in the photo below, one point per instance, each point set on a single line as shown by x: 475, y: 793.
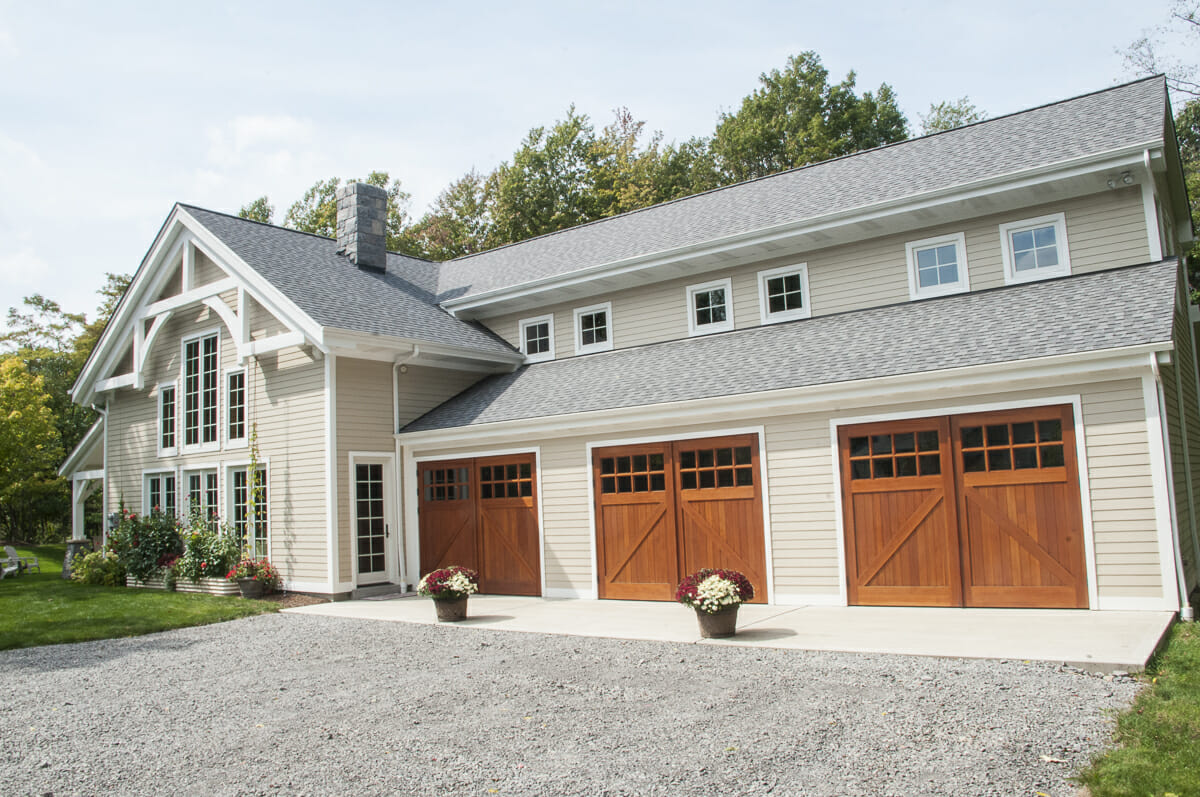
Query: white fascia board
x: 1034, y: 373
x: 1027, y: 178
x: 91, y: 438
x: 347, y: 343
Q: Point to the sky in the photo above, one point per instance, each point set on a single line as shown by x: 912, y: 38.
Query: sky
x: 110, y: 112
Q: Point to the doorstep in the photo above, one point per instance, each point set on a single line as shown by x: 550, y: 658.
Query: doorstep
x: 1092, y: 640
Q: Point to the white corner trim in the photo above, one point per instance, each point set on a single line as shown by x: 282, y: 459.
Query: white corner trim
x: 695, y: 329
x: 525, y: 323
x: 764, y: 311
x: 1150, y: 213
x: 1160, y: 473
x: 331, y: 507
x: 961, y: 285
x: 1011, y: 275
x: 592, y: 348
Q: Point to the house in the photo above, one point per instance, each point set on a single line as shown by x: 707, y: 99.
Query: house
x: 954, y: 371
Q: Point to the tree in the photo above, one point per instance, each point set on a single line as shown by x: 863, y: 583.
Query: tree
x: 949, y: 114
x: 316, y: 211
x: 260, y: 209
x: 796, y: 117
x: 29, y: 450
x: 1143, y: 56
x: 459, y: 223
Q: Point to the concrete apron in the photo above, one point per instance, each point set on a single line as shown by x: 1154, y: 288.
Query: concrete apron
x: 1092, y: 640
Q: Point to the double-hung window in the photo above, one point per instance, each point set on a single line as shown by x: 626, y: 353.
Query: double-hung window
x: 235, y: 407
x: 167, y: 443
x: 200, y: 391
x: 937, y: 266
x: 248, y: 497
x: 1035, y: 249
x: 710, y: 307
x: 202, y: 494
x: 160, y: 494
x: 537, y: 338
x: 783, y: 294
x: 593, y: 328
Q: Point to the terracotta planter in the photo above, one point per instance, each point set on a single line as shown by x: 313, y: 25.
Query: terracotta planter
x: 250, y: 588
x: 451, y: 610
x: 721, y: 624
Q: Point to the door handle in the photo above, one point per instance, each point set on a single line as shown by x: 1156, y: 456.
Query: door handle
x: 386, y: 534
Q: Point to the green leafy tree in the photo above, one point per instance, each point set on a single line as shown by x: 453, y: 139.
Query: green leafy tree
x: 316, y: 211
x: 459, y: 223
x: 949, y: 114
x: 797, y: 117
x: 260, y: 209
x: 30, y: 449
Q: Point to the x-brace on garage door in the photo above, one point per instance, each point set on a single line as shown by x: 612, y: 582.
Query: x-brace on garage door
x: 968, y: 510
x: 664, y: 510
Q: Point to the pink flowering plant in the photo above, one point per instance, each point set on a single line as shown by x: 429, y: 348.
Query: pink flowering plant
x: 449, y: 583
x: 258, y: 570
x: 710, y: 591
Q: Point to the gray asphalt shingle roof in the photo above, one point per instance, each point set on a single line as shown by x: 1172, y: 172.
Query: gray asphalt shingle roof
x: 1088, y: 312
x: 336, y: 293
x: 1126, y: 115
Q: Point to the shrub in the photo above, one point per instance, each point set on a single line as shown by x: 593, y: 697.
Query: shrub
x: 143, y: 544
x: 208, y: 551
x: 257, y: 569
x: 98, y: 567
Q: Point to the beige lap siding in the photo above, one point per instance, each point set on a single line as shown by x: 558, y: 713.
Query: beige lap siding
x: 1183, y: 420
x: 1104, y: 230
x: 285, y: 399
x: 365, y: 418
x: 803, y: 496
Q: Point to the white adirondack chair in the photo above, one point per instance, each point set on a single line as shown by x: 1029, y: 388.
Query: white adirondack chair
x: 23, y: 562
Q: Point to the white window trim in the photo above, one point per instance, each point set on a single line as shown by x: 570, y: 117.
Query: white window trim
x: 227, y: 504
x: 604, y: 307
x: 962, y: 285
x: 147, y: 475
x: 182, y: 503
x: 180, y: 398
x: 710, y: 329
x: 244, y: 440
x: 172, y: 450
x: 1063, y: 269
x: 764, y: 310
x: 526, y: 322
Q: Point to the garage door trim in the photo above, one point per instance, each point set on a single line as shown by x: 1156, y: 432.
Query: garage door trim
x: 1073, y: 399
x: 412, y: 485
x: 767, y: 590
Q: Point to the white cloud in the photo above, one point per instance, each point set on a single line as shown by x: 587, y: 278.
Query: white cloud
x: 256, y: 137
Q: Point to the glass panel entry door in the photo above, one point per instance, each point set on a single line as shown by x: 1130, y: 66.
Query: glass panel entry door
x: 370, y: 523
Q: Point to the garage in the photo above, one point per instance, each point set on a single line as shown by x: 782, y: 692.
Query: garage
x: 978, y: 510
x: 667, y: 509
x: 481, y: 513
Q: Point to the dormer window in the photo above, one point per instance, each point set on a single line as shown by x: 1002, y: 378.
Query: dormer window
x: 593, y: 328
x: 1035, y: 249
x: 537, y: 338
x: 937, y: 266
x: 783, y: 294
x: 710, y: 307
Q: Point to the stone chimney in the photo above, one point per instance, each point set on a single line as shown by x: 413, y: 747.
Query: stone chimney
x: 362, y: 225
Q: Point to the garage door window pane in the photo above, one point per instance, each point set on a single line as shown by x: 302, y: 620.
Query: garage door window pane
x: 639, y: 473
x: 1052, y: 456
x: 906, y: 466
x: 1049, y: 431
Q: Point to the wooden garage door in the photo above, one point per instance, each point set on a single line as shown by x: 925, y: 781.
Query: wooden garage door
x: 482, y: 514
x: 667, y: 509
x: 972, y: 510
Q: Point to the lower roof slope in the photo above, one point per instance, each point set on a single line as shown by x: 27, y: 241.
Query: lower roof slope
x: 335, y: 293
x: 1089, y: 312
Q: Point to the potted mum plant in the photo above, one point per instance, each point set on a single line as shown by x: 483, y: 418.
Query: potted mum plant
x: 716, y: 596
x: 449, y: 587
x: 254, y: 577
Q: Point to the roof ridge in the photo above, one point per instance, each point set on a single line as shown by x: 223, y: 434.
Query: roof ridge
x: 676, y: 200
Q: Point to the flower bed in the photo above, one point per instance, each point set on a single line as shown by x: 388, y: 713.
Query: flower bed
x: 206, y: 586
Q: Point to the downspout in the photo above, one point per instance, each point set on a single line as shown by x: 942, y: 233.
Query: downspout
x: 1185, y: 607
x: 398, y: 367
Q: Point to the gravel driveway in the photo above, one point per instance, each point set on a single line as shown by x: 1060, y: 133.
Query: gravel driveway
x: 294, y: 704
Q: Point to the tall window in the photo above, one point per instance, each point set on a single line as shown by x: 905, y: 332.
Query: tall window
x: 593, y: 328
x: 166, y: 419
x: 200, y: 391
x: 537, y: 338
x: 202, y: 494
x: 783, y: 294
x: 160, y: 494
x: 235, y: 406
x: 937, y: 266
x: 250, y: 509
x: 1035, y: 249
x: 710, y: 307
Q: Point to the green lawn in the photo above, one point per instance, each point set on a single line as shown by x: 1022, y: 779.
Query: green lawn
x: 1159, y: 737
x: 43, y: 609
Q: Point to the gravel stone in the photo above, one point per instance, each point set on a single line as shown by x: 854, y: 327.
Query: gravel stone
x: 307, y: 705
